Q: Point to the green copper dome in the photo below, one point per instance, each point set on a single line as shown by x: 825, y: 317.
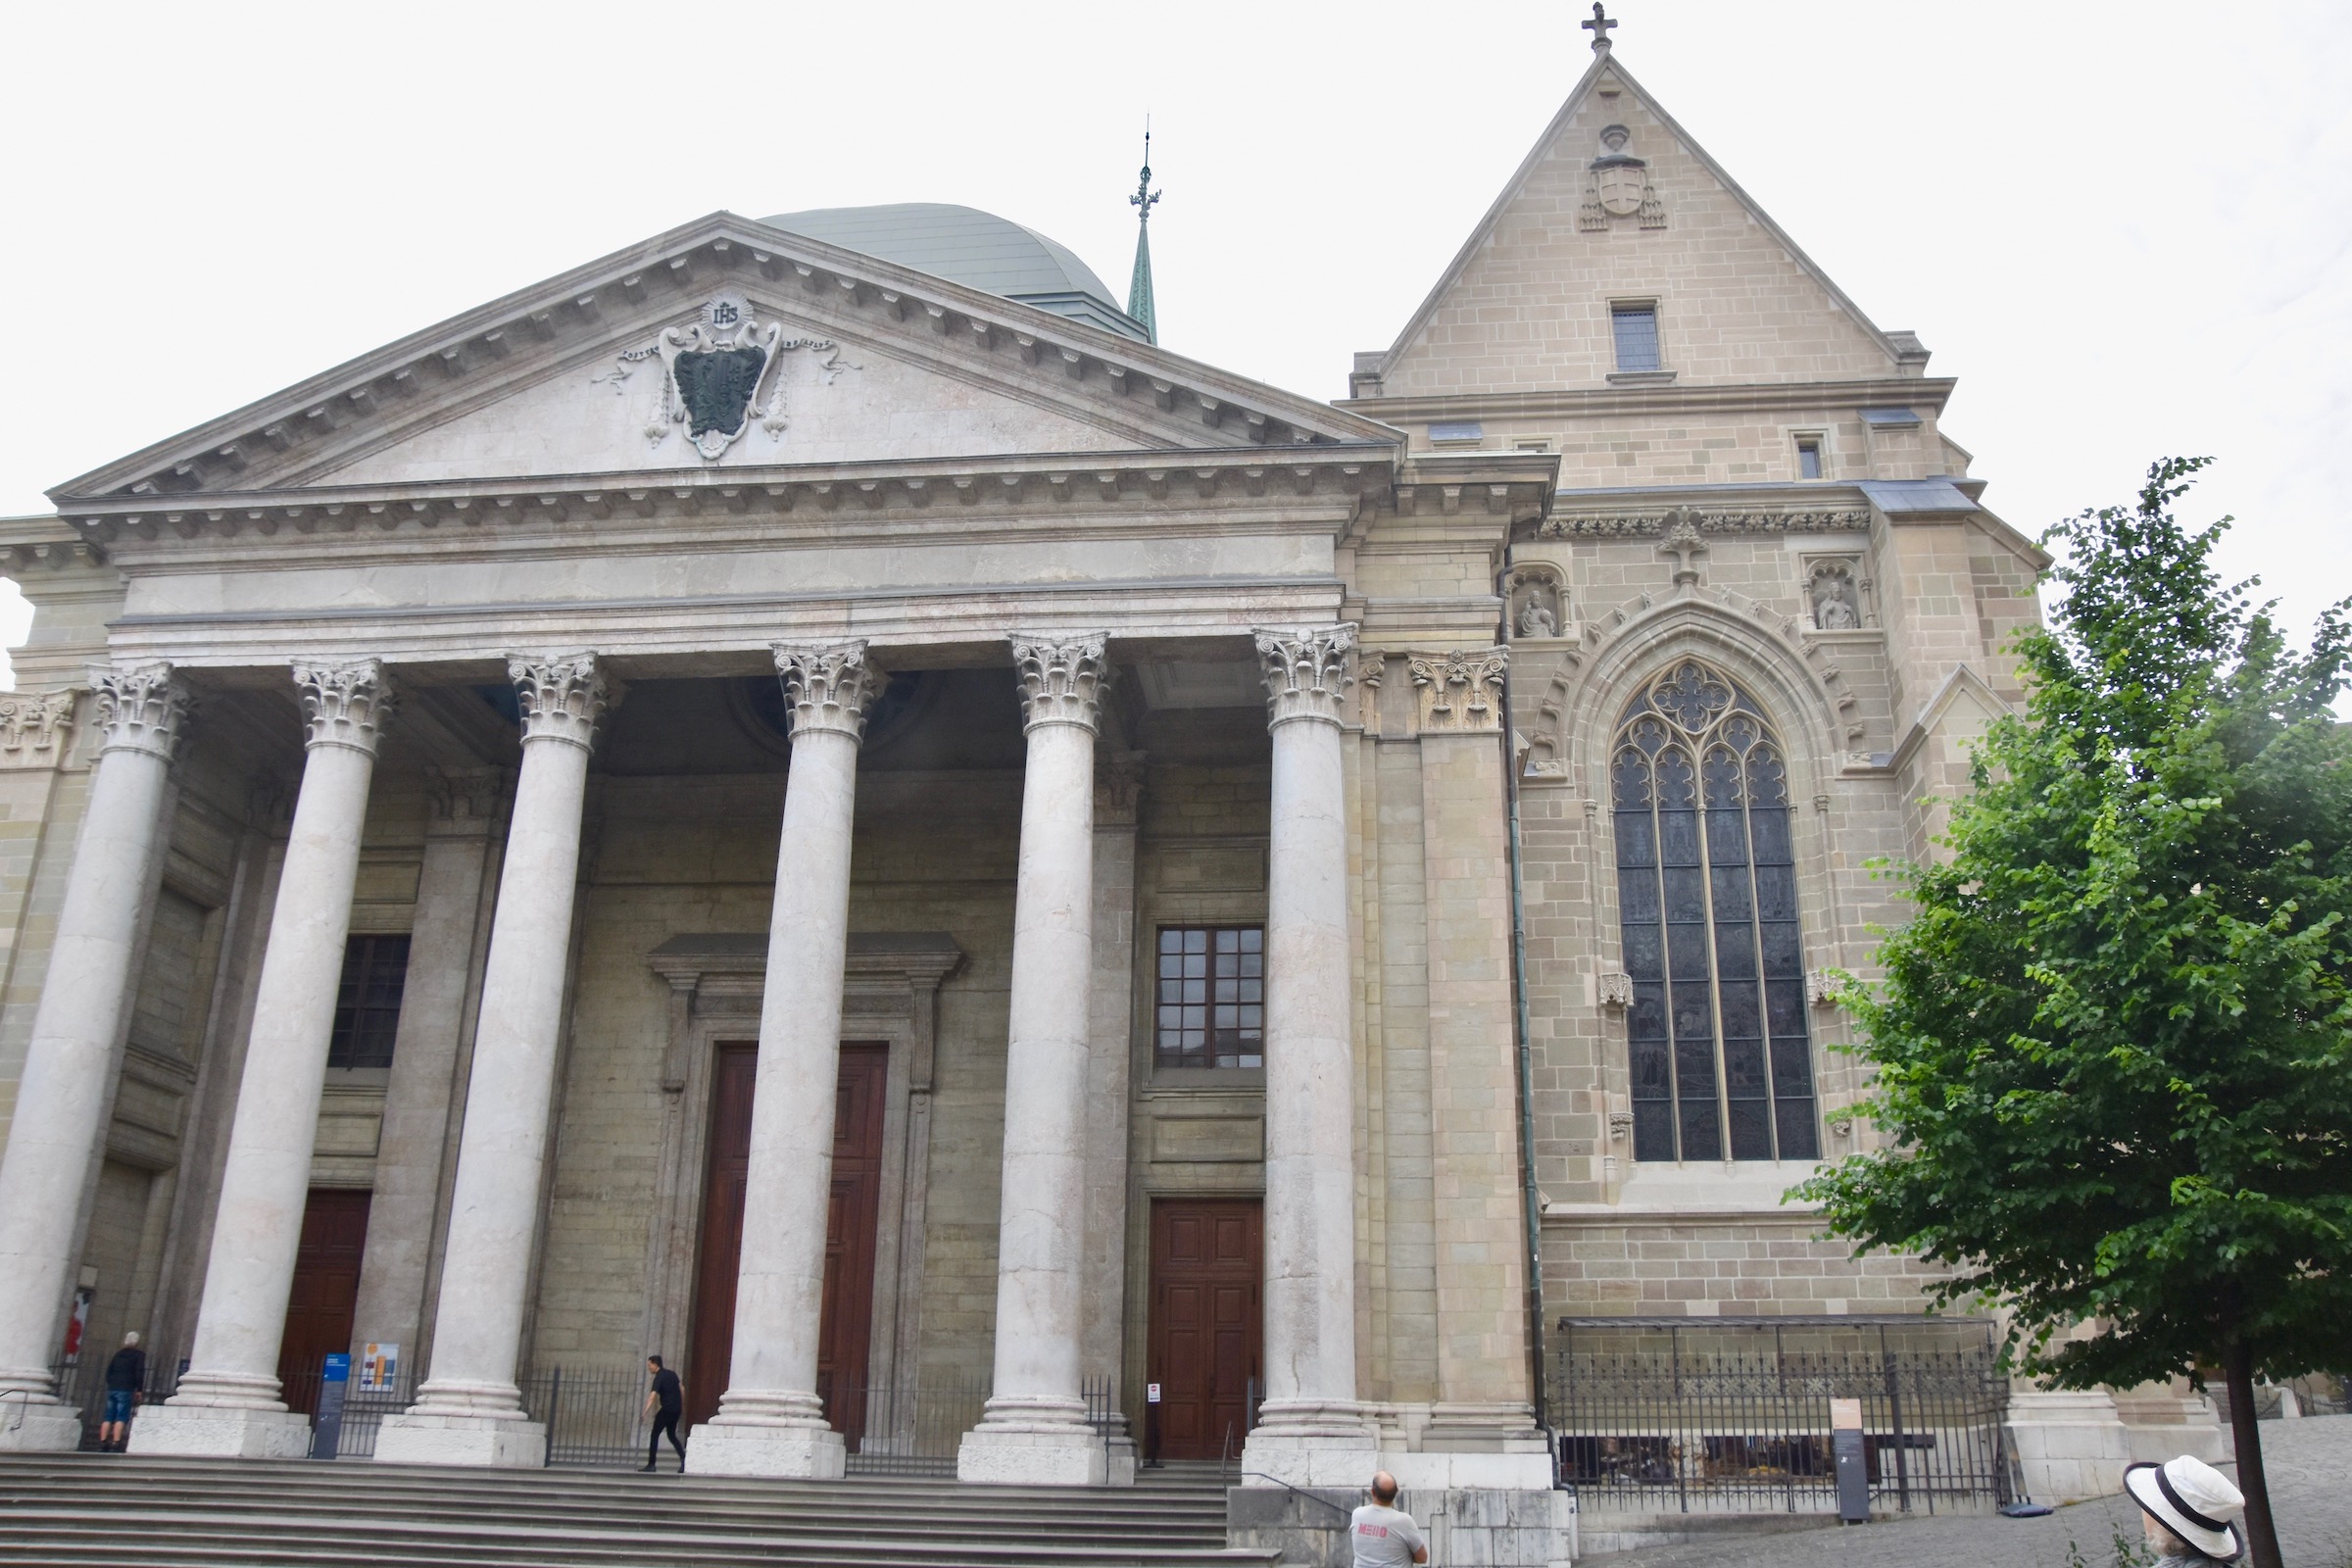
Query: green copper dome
x: 965, y: 245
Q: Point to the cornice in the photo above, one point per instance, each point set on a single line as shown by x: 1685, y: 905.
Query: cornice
x: 671, y: 509
x: 1597, y: 403
x: 683, y: 265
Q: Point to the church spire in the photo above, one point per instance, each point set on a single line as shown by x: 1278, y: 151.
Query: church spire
x: 1139, y: 286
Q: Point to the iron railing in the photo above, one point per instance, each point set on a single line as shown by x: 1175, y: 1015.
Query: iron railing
x: 1685, y: 1415
x: 905, y: 1428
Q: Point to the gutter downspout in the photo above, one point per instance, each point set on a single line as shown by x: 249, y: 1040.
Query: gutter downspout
x: 1532, y: 1198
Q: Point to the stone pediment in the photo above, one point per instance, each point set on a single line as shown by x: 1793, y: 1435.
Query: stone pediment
x: 723, y: 347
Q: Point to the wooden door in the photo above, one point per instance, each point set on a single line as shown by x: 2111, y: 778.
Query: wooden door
x: 1208, y: 1262
x: 726, y: 1168
x: 325, y: 1292
x: 845, y: 1326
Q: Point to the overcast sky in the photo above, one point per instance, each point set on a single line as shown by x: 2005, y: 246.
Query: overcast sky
x: 2125, y: 228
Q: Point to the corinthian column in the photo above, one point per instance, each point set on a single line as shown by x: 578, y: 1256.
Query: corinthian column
x: 1035, y: 1431
x: 61, y: 1101
x: 770, y: 1421
x: 1311, y: 1432
x: 228, y: 1404
x: 470, y: 1409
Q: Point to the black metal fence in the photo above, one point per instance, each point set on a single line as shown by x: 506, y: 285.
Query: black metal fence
x: 1733, y: 1414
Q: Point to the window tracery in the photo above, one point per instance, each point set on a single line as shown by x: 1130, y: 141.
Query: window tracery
x: 1719, y: 1055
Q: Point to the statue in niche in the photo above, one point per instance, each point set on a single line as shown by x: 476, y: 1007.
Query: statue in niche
x: 1834, y: 608
x: 1535, y: 618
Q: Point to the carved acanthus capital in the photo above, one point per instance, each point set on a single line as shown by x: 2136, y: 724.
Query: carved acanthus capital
x: 1062, y: 679
x: 466, y: 800
x: 36, y: 729
x: 828, y: 686
x: 563, y: 697
x: 344, y: 702
x: 1461, y: 694
x: 1307, y: 671
x: 141, y: 707
x: 1616, y: 988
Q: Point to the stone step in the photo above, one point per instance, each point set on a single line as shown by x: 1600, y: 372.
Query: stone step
x: 200, y: 1513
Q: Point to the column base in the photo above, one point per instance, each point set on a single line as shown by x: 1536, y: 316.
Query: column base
x: 41, y: 1425
x: 794, y: 1452
x: 1311, y: 1444
x: 2070, y: 1446
x: 484, y: 1442
x: 1010, y: 1454
x: 221, y: 1432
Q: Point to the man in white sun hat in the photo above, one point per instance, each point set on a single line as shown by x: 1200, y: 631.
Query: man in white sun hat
x: 2191, y: 1510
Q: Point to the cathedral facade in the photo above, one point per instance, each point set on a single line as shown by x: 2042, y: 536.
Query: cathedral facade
x: 805, y: 798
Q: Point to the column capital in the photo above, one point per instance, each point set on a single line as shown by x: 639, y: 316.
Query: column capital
x: 1460, y: 693
x: 1062, y: 679
x: 1308, y: 670
x: 563, y: 696
x: 344, y: 702
x: 141, y: 707
x: 465, y: 800
x: 36, y: 728
x: 828, y: 686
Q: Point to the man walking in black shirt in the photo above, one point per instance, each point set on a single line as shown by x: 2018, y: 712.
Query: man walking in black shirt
x: 672, y: 1402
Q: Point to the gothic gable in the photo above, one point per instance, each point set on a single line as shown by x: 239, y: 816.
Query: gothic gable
x: 1616, y: 203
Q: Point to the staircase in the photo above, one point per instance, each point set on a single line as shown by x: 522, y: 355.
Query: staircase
x: 95, y: 1509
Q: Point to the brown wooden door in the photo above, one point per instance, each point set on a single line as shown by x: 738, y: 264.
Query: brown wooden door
x: 845, y: 1328
x: 726, y: 1169
x: 326, y: 1290
x: 1208, y: 1262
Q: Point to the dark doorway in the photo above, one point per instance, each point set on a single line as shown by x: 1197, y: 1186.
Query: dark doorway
x: 327, y: 1290
x: 846, y: 1326
x: 1207, y: 1257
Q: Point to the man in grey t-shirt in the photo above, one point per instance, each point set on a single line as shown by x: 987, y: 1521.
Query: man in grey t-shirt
x: 1383, y: 1535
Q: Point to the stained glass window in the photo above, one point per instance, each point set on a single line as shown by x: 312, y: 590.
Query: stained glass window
x: 1706, y: 886
x: 1211, y: 997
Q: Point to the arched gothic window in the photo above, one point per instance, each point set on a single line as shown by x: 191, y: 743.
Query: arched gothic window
x: 1706, y: 892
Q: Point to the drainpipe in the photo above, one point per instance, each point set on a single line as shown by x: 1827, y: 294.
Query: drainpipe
x: 1532, y: 1198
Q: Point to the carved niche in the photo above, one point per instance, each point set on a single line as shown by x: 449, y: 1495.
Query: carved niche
x: 1539, y: 603
x: 1833, y: 593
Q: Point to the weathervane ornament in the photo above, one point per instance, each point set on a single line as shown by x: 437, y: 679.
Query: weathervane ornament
x: 719, y: 373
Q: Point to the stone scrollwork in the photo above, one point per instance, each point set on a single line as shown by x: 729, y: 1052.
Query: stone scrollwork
x: 1650, y: 526
x: 1308, y: 670
x: 563, y: 696
x: 38, y: 730
x: 828, y: 687
x: 141, y: 707
x: 1460, y: 693
x: 344, y: 702
x: 1062, y: 679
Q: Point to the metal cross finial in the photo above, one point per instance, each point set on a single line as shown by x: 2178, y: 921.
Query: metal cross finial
x: 1145, y: 197
x: 1599, y: 27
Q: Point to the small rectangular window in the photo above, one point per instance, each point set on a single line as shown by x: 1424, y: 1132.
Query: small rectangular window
x: 1211, y: 997
x: 1808, y: 457
x: 1637, y: 329
x: 376, y: 971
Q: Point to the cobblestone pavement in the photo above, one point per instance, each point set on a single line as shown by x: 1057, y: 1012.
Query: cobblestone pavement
x: 2309, y: 1463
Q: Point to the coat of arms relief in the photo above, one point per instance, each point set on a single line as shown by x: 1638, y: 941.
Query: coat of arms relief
x: 1617, y: 185
x: 718, y: 374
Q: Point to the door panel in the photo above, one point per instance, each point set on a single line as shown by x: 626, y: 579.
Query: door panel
x: 845, y: 1326
x: 326, y: 1291
x: 1207, y: 1321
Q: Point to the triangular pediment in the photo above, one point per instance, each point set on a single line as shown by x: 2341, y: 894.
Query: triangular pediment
x: 859, y: 362
x: 1648, y: 215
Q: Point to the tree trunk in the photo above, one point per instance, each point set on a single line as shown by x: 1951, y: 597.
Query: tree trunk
x: 2262, y: 1537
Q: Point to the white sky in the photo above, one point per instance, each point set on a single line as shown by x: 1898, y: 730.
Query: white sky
x: 2125, y: 228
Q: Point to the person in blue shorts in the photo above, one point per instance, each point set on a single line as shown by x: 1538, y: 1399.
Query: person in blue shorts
x: 125, y: 1376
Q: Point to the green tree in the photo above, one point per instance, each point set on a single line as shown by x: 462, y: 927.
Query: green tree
x: 2113, y: 1047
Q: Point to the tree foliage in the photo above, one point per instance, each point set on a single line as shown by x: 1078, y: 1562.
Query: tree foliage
x: 2113, y: 1048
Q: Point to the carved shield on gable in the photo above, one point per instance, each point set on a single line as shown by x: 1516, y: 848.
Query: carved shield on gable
x: 1618, y: 183
x: 715, y: 386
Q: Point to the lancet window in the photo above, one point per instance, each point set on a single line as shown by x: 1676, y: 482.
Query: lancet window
x: 1706, y: 888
